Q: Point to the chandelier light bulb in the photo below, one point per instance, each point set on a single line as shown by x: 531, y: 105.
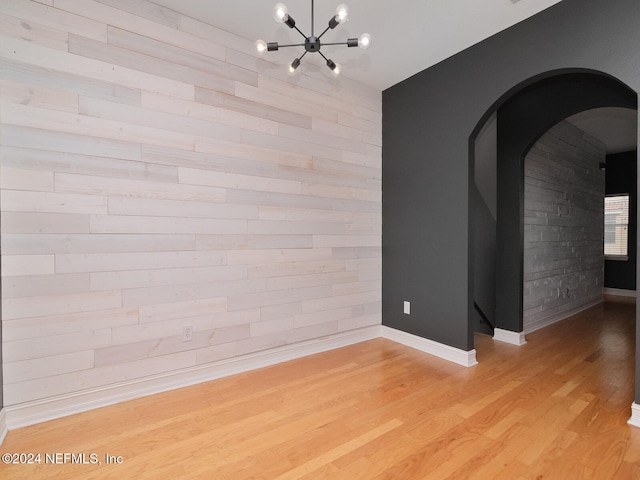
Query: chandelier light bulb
x: 335, y: 67
x: 294, y: 65
x: 364, y: 41
x: 342, y: 13
x: 261, y: 47
x: 280, y: 12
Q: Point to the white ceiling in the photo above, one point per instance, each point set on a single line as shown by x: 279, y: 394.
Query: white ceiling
x: 615, y: 127
x: 408, y: 35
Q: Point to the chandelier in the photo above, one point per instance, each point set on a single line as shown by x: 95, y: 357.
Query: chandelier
x: 312, y: 44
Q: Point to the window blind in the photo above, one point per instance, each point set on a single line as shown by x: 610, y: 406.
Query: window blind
x: 616, y: 225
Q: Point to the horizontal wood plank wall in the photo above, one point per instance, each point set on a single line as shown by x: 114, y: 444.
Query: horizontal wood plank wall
x: 156, y: 174
x: 563, y: 225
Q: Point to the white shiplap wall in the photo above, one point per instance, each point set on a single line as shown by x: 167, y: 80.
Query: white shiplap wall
x: 156, y: 173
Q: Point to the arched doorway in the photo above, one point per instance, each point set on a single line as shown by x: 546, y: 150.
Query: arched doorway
x: 520, y: 117
x: 522, y: 120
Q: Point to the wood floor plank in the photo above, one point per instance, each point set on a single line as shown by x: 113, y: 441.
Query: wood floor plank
x: 555, y: 408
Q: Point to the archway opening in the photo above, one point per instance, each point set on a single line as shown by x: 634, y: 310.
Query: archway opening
x: 515, y: 122
x: 521, y: 122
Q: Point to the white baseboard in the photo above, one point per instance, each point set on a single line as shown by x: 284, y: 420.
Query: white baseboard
x: 30, y: 413
x: 507, y: 336
x: 3, y: 425
x: 550, y: 320
x: 635, y: 415
x: 452, y: 354
x: 620, y: 292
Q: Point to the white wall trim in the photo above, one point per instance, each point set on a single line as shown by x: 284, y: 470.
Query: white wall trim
x: 550, y: 320
x: 620, y: 292
x: 3, y: 425
x: 507, y: 336
x: 456, y: 355
x: 635, y: 415
x: 30, y: 413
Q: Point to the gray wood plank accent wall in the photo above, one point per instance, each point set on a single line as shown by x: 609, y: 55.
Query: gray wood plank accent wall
x: 563, y: 225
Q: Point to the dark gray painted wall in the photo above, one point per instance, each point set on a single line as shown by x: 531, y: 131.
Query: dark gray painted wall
x: 484, y: 295
x: 484, y: 230
x: 427, y: 123
x: 621, y: 178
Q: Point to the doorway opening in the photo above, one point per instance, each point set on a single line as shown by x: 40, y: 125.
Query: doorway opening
x: 515, y: 123
x: 565, y: 232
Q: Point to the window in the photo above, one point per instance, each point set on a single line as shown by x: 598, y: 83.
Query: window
x: 616, y: 226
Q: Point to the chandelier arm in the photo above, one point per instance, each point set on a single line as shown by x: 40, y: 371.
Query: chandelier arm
x: 300, y: 32
x: 325, y: 31
x: 326, y: 59
x: 292, y: 45
x: 335, y: 43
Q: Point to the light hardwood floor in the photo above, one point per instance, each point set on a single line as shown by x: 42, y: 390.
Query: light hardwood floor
x: 555, y: 408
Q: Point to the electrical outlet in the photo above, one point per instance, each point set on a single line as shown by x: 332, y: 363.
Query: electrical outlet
x: 187, y: 333
x: 407, y: 308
